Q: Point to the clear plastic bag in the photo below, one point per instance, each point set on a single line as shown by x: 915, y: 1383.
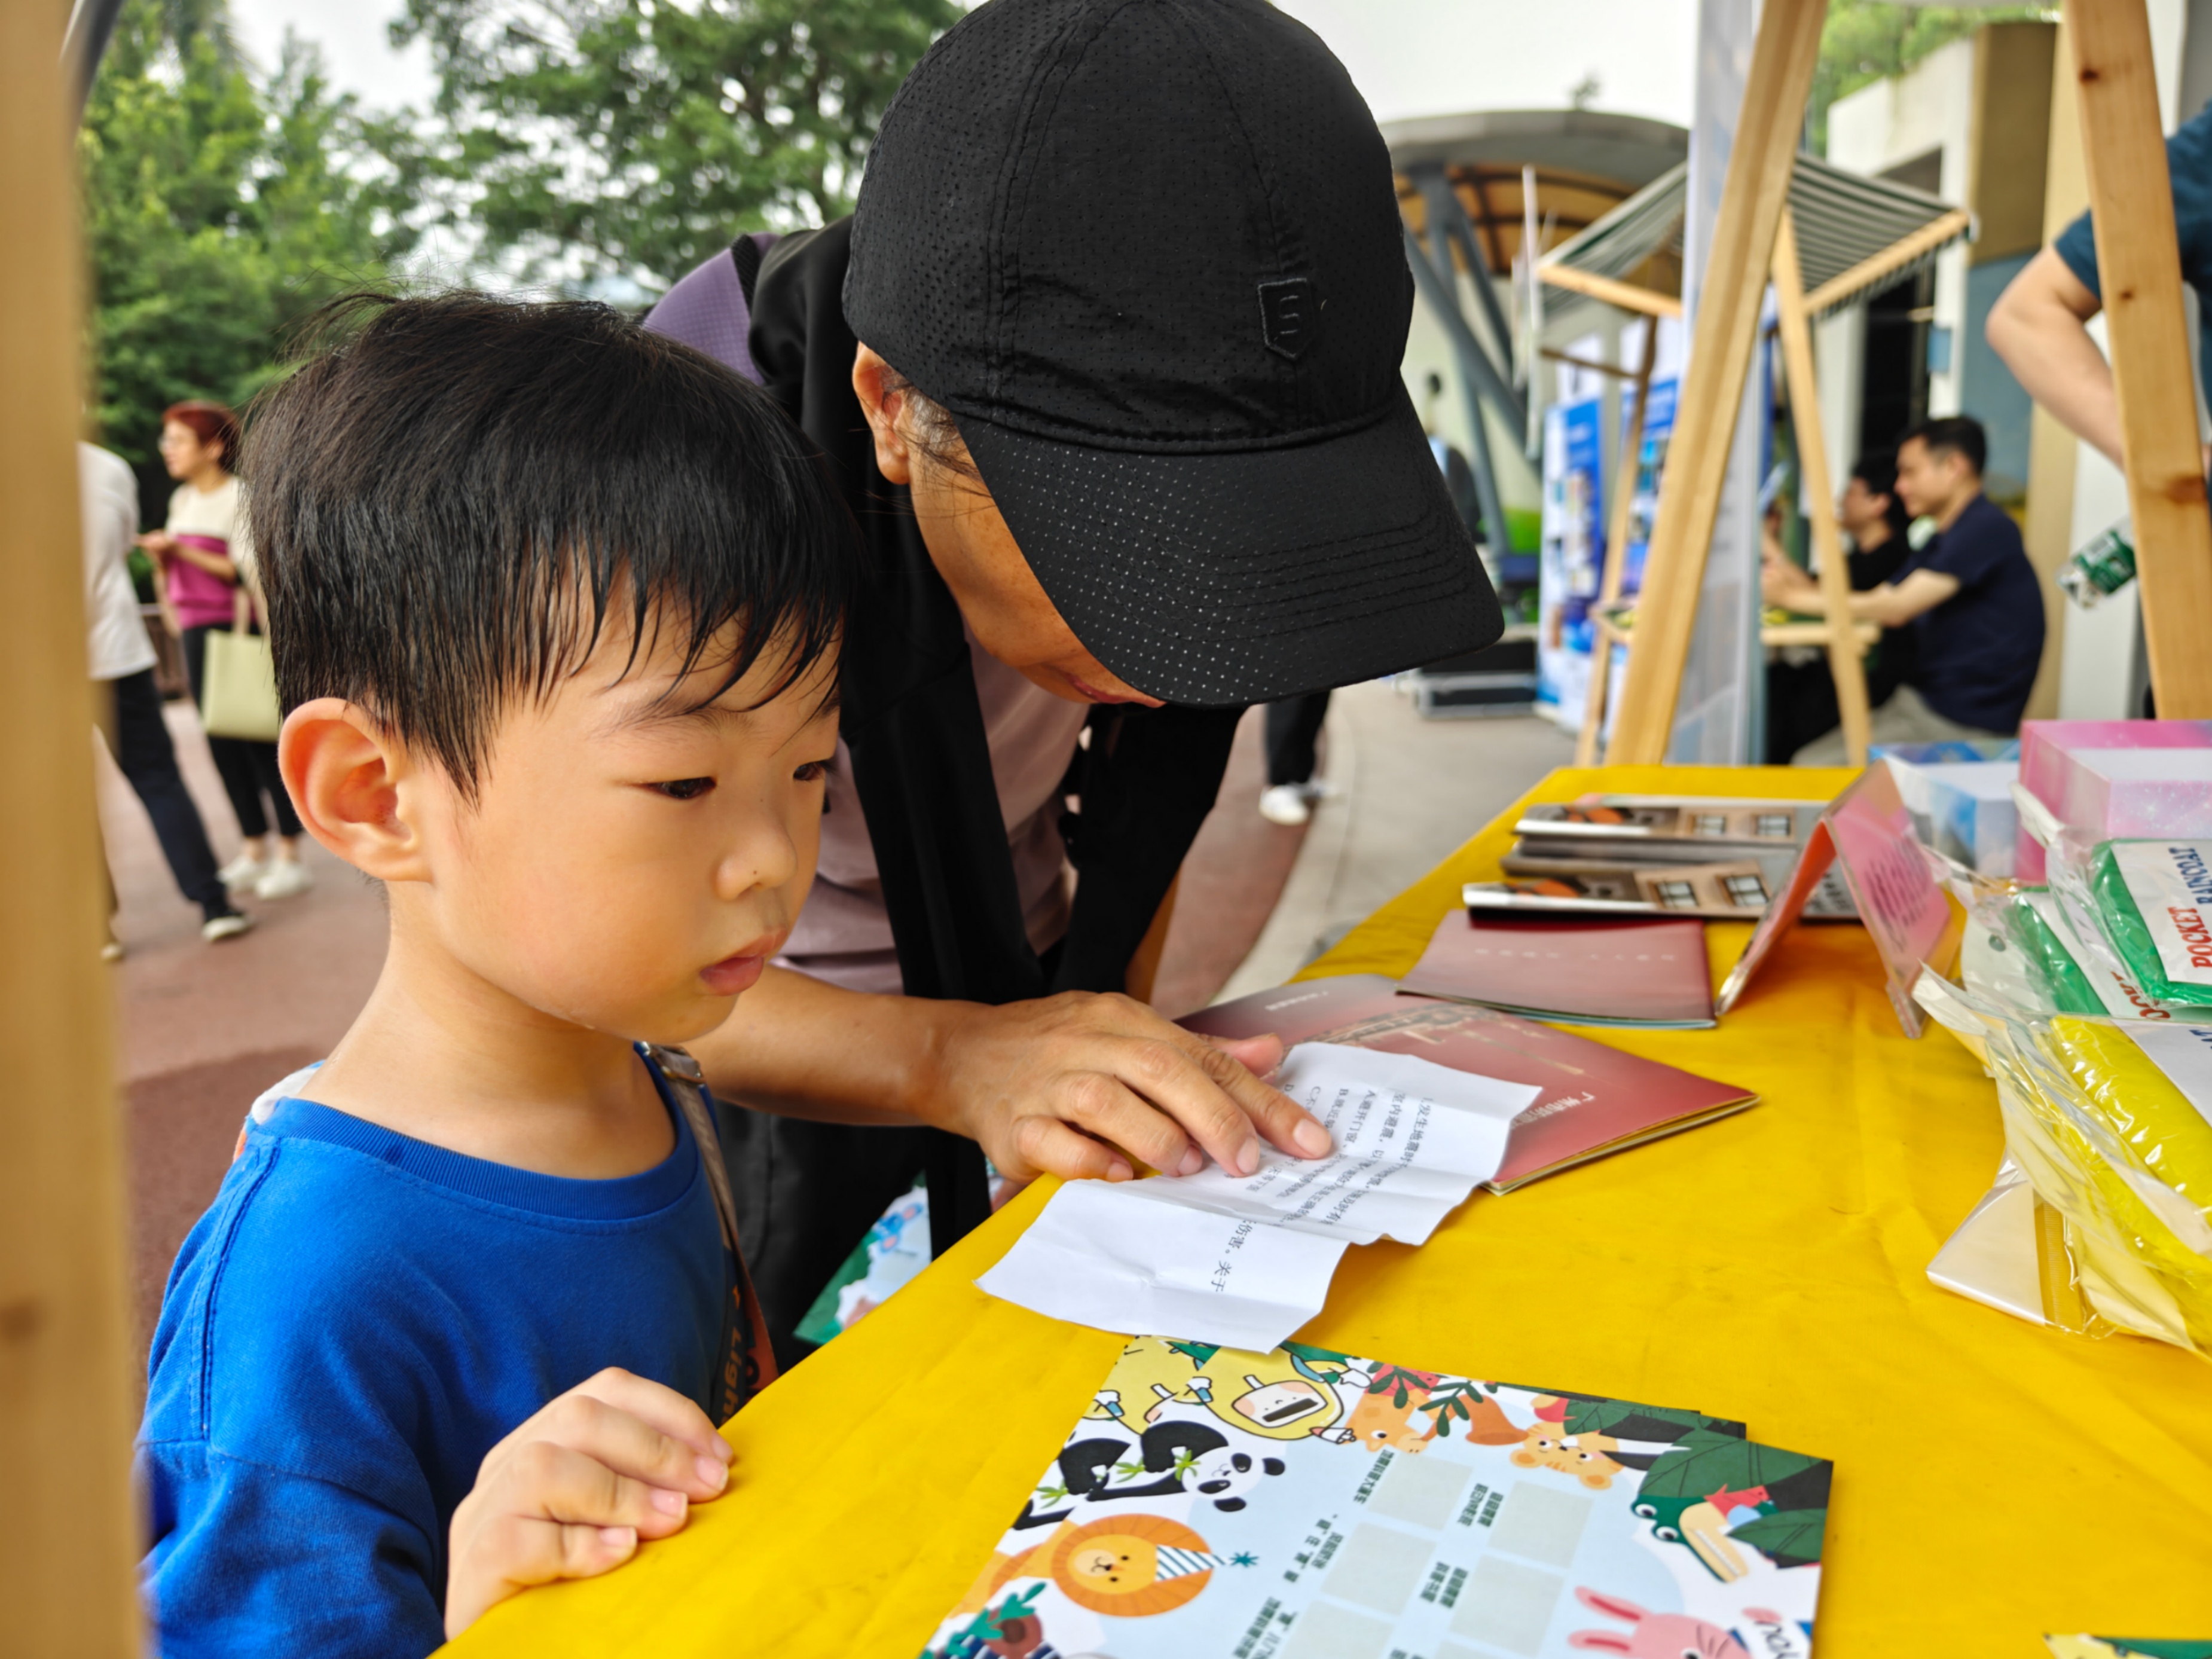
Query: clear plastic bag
x: 2107, y: 1121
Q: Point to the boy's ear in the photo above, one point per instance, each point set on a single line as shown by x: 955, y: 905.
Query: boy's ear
x: 349, y: 781
x: 883, y: 407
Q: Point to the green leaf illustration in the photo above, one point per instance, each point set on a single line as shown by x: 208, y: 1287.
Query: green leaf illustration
x: 1601, y: 1416
x: 1790, y: 1538
x: 1703, y: 1461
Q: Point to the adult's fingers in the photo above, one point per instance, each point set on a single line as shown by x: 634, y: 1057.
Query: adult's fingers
x: 1045, y: 1145
x: 1287, y: 1124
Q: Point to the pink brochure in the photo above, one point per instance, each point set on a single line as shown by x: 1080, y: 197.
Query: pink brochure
x: 1868, y: 832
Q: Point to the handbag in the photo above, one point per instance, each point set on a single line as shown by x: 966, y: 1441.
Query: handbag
x: 237, y: 690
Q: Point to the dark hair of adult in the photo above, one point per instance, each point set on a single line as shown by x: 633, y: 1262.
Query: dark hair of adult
x: 451, y: 494
x: 1877, y: 470
x: 1955, y: 434
x: 210, y: 422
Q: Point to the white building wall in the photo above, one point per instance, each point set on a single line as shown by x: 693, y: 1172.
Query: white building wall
x: 1928, y: 108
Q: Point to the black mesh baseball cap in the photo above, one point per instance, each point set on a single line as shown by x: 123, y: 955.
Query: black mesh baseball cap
x: 1147, y: 253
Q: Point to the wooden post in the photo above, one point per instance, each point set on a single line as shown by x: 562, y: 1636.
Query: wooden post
x: 1752, y: 199
x: 1817, y: 492
x: 2053, y: 452
x: 2139, y: 270
x: 1616, y: 552
x: 66, y: 1394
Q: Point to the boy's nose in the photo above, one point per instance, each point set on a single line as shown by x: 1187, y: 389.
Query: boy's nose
x: 766, y: 858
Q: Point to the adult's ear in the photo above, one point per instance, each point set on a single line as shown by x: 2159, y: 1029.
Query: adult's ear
x: 349, y: 781
x: 882, y: 405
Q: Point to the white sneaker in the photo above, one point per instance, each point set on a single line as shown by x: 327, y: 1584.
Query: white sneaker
x: 215, y: 929
x: 1286, y: 803
x: 285, y: 878
x: 244, y: 870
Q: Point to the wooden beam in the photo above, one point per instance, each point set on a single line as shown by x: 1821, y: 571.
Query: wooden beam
x: 1615, y: 576
x: 1753, y: 196
x: 2053, y: 452
x: 1894, y: 257
x: 2139, y: 271
x: 1587, y: 364
x: 1626, y: 296
x: 1864, y: 634
x: 67, y: 1394
x: 1817, y: 492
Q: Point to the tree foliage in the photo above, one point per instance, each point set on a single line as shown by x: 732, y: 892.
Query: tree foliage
x: 218, y: 207
x: 1866, y: 40
x: 634, y: 137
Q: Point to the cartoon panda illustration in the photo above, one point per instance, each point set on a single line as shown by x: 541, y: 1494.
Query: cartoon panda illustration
x: 1184, y: 1458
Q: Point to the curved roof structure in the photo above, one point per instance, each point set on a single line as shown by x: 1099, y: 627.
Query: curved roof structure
x: 1587, y: 162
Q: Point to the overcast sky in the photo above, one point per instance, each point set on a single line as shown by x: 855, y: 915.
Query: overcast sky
x: 1408, y: 56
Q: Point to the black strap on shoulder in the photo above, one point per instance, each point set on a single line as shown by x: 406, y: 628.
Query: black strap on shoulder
x: 745, y: 255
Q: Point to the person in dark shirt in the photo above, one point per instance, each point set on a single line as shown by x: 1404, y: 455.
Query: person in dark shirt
x: 1801, y: 695
x: 2039, y: 325
x: 1971, y: 597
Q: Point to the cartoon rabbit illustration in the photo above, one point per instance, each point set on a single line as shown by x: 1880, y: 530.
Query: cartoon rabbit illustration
x: 1653, y: 1635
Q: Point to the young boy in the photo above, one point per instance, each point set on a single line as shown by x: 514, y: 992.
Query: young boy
x: 555, y: 605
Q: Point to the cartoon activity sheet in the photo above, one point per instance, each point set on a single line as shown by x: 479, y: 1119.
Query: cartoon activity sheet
x: 1243, y: 1261
x: 1300, y: 1504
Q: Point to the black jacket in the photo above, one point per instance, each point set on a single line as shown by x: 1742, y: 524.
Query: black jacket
x: 922, y: 768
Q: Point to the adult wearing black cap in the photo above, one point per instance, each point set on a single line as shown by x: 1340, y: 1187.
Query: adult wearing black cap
x: 1107, y: 363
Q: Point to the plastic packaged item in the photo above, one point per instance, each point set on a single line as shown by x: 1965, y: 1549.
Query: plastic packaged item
x: 2127, y: 915
x: 2154, y: 902
x: 2111, y: 1123
x: 2100, y: 570
x: 2073, y: 768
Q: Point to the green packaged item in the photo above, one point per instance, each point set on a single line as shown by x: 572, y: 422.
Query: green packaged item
x: 2063, y: 984
x: 2100, y: 570
x: 2153, y: 901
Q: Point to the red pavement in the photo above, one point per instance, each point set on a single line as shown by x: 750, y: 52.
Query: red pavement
x: 206, y: 1027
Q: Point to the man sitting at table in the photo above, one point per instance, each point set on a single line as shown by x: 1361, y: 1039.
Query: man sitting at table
x: 1970, y: 594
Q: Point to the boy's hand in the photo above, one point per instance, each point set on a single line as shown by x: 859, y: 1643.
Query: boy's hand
x: 569, y: 1494
x: 1067, y: 1085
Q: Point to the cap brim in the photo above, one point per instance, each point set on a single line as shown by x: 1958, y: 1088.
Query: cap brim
x: 1222, y: 579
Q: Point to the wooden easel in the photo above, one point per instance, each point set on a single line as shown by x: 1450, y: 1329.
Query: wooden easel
x: 1754, y: 196
x: 1846, y: 642
x: 1602, y: 638
x: 67, y: 1396
x: 2139, y: 272
x: 1816, y: 494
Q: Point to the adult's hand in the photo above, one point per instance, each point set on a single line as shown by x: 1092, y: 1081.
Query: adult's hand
x: 1079, y: 1084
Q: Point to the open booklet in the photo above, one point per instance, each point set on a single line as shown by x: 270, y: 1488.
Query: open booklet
x: 1300, y: 1504
x: 1592, y: 1099
x: 1245, y: 1260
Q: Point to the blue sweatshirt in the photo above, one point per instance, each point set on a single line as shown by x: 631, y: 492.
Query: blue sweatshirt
x: 353, y: 1324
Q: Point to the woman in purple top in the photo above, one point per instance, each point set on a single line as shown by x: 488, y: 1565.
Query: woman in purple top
x: 202, y: 561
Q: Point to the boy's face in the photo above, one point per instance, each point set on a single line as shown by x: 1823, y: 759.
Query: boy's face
x: 632, y: 861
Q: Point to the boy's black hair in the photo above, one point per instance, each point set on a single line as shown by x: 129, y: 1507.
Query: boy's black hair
x: 1877, y: 470
x: 1961, y: 434
x: 452, y: 494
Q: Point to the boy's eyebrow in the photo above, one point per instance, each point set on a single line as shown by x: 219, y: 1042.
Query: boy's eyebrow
x: 651, y: 713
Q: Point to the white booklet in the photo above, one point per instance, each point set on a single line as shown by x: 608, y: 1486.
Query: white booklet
x: 1243, y: 1261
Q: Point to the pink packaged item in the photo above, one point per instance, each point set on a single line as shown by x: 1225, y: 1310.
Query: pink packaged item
x: 2073, y: 767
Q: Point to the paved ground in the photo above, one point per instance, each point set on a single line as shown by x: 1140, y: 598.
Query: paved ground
x: 1406, y: 791
x: 205, y: 1028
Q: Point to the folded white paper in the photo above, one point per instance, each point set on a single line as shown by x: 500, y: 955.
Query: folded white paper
x: 1243, y: 1261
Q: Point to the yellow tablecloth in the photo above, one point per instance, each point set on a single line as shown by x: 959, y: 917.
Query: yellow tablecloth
x: 1993, y: 1480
